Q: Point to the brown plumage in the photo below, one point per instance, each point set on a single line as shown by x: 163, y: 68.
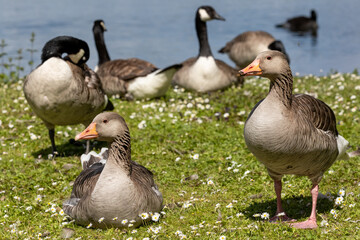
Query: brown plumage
x: 120, y: 189
x: 64, y: 91
x: 291, y: 134
x: 244, y: 48
x: 133, y: 77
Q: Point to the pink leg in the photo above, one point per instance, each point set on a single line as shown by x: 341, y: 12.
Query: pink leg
x: 311, y: 222
x: 280, y: 214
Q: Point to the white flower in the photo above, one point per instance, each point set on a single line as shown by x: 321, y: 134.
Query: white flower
x: 265, y: 215
x: 115, y: 218
x: 256, y: 215
x: 61, y: 212
x: 339, y: 200
x: 177, y: 159
x: 222, y: 237
x: 134, y: 231
x: 89, y: 226
x: 142, y: 124
x: 226, y: 115
x: 230, y: 205
x: 239, y: 214
x: 195, y: 156
x: 28, y: 208
x: 144, y: 216
x: 178, y: 233
x: 186, y: 205
x: 341, y: 192
x: 38, y: 198
x: 101, y: 219
x: 332, y: 211
x: 324, y: 223
x: 155, y: 217
x: 210, y: 182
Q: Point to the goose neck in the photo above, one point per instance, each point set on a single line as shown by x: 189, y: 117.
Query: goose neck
x: 281, y: 87
x: 120, y: 152
x: 201, y: 31
x: 101, y: 47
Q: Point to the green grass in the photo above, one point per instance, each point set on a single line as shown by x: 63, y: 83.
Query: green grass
x: 232, y: 186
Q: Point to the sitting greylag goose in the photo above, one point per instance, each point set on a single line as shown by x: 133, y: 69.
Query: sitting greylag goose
x: 291, y: 134
x: 205, y: 73
x: 105, y: 194
x: 64, y: 90
x: 245, y: 47
x: 301, y: 23
x: 133, y: 78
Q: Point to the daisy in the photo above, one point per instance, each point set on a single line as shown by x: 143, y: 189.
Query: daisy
x: 144, y: 216
x: 339, y: 200
x: 101, y: 219
x: 123, y: 222
x: 332, y: 211
x: 341, y: 192
x: 222, y: 237
x: 265, y: 215
x: 155, y: 217
x: 89, y: 226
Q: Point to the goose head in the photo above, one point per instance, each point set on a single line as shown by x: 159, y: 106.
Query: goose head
x: 279, y: 46
x: 313, y: 15
x: 77, y: 50
x: 206, y: 13
x: 270, y: 64
x: 106, y: 127
x: 99, y: 25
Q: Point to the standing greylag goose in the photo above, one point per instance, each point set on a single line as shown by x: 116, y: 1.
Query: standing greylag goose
x: 301, y: 23
x: 132, y: 78
x: 244, y: 48
x: 120, y: 189
x: 205, y: 73
x: 291, y: 134
x: 64, y: 90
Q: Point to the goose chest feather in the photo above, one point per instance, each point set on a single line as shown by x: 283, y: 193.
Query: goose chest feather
x: 120, y: 189
x: 291, y: 134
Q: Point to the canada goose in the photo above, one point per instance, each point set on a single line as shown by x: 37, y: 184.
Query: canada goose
x: 105, y: 194
x: 64, y: 90
x: 291, y: 134
x: 244, y: 48
x: 301, y: 23
x: 132, y: 78
x: 204, y: 73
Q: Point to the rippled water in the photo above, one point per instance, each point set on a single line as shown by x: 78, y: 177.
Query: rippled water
x: 163, y: 31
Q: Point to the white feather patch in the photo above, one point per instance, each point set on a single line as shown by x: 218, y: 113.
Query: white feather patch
x: 204, y: 16
x: 342, y: 144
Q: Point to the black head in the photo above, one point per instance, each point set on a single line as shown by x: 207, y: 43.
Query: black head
x: 279, y: 46
x: 313, y: 14
x: 206, y: 13
x: 99, y: 25
x: 77, y: 50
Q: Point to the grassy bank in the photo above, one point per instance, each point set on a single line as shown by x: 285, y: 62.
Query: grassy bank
x: 213, y: 186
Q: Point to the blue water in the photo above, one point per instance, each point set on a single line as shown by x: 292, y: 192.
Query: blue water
x: 163, y: 31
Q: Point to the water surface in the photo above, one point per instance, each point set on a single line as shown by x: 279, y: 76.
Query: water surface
x: 163, y: 31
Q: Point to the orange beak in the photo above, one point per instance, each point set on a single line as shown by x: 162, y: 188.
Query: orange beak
x: 89, y: 133
x: 252, y: 70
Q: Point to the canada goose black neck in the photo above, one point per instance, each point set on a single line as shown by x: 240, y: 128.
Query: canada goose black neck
x: 120, y: 151
x: 98, y: 31
x: 201, y: 30
x: 78, y: 51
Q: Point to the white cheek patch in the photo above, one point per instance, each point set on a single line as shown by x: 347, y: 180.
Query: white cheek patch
x: 75, y: 58
x: 204, y: 16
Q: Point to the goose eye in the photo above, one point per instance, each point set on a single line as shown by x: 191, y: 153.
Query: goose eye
x: 268, y: 58
x: 105, y: 121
